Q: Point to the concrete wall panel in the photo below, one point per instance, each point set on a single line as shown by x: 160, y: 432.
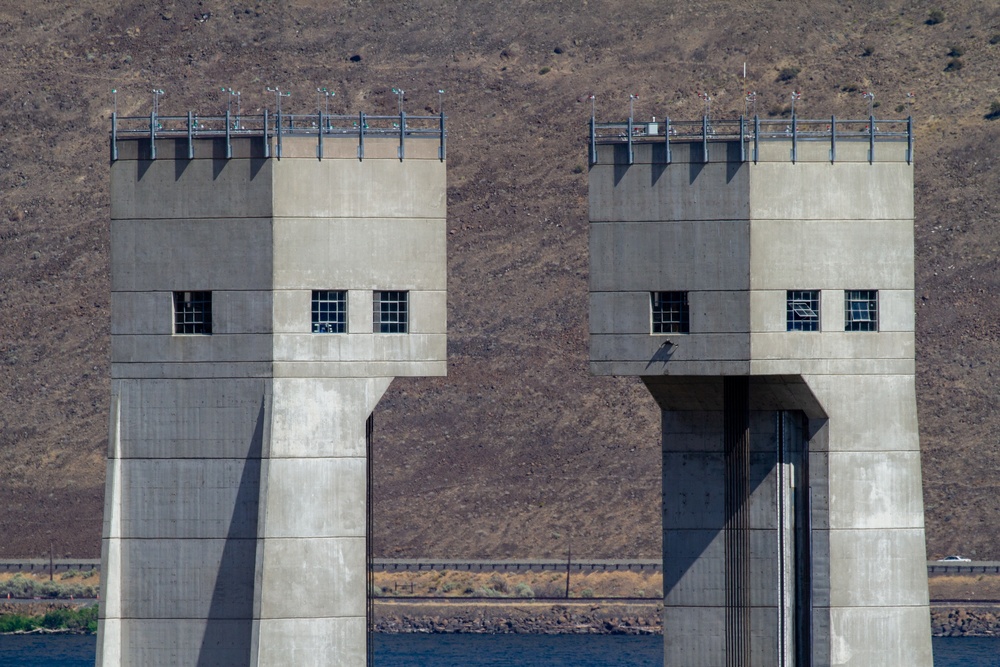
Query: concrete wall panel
x: 335, y: 565
x: 192, y: 418
x: 168, y: 643
x: 151, y: 313
x: 831, y: 253
x: 649, y: 256
x: 204, y: 254
x: 215, y: 348
x: 692, y: 191
x: 318, y: 642
x: 880, y: 636
x: 860, y: 424
x: 190, y: 498
x: 371, y: 253
x: 816, y: 191
x: 189, y: 578
x: 323, y: 418
x: 182, y: 189
x: 358, y: 189
x: 874, y: 490
x: 316, y: 497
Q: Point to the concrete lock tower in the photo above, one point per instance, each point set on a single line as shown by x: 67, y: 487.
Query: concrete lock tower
x: 270, y: 277
x: 758, y: 277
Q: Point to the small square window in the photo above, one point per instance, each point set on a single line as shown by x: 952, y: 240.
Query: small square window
x: 802, y: 313
x: 861, y: 310
x: 670, y: 312
x: 390, y: 312
x: 192, y: 312
x: 329, y: 311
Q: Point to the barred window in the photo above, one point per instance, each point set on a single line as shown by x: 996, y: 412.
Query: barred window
x: 192, y: 312
x: 861, y: 310
x: 670, y: 312
x: 390, y: 311
x: 802, y: 310
x: 329, y: 311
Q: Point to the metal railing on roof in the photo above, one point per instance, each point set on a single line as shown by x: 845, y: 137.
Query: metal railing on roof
x: 277, y: 126
x: 751, y: 133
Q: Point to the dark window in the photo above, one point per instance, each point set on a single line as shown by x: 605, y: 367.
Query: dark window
x: 390, y: 312
x: 670, y: 312
x: 861, y: 310
x: 192, y: 312
x: 803, y: 310
x: 329, y: 311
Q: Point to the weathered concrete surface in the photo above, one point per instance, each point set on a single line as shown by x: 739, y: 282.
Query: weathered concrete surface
x: 235, y: 519
x: 825, y: 537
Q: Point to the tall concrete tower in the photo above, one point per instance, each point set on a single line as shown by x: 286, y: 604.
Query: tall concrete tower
x: 758, y: 277
x: 269, y: 280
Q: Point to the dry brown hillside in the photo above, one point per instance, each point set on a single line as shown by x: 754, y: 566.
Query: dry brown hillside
x: 518, y: 452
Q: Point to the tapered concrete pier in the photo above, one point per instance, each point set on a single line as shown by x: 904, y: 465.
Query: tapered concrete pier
x: 758, y: 277
x: 270, y: 277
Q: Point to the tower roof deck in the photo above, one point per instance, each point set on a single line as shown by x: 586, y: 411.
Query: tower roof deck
x: 274, y: 126
x: 750, y: 133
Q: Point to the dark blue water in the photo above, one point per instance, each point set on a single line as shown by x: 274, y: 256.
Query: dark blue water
x: 478, y: 651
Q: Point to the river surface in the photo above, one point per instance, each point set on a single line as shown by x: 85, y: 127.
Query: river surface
x: 479, y: 651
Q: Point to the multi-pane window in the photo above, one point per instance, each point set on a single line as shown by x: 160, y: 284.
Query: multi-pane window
x: 861, y: 310
x: 670, y: 312
x: 329, y: 311
x: 390, y: 311
x: 192, y: 312
x: 802, y: 313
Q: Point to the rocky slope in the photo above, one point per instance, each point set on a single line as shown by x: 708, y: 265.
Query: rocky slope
x: 518, y: 451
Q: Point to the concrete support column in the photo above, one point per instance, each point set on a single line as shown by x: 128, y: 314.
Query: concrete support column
x: 310, y: 609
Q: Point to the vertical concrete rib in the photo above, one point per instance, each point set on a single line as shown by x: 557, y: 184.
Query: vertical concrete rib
x: 736, y: 434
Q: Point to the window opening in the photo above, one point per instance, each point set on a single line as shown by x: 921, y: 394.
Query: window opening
x: 670, y: 312
x: 861, y: 310
x: 329, y: 311
x: 802, y: 312
x: 192, y: 312
x: 390, y: 311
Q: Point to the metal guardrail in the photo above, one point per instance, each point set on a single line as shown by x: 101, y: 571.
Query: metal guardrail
x: 428, y: 564
x: 751, y: 133
x: 266, y: 126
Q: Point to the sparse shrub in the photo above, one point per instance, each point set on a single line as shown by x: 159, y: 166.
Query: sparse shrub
x: 788, y: 73
x: 523, y: 590
x: 995, y: 39
x: 578, y: 169
x: 955, y: 51
x: 498, y: 583
x: 449, y: 586
x: 994, y: 112
x: 936, y: 16
x: 849, y: 88
x: 90, y: 573
x: 587, y: 593
x: 558, y: 50
x: 867, y: 50
x: 900, y: 108
x: 487, y: 592
x: 876, y: 104
x: 550, y: 589
x: 69, y: 574
x: 954, y: 65
x: 545, y: 70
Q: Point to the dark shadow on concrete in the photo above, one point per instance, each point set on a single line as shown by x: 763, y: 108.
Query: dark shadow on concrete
x: 694, y: 170
x: 733, y: 168
x: 142, y: 165
x: 229, y: 630
x: 662, y: 354
x: 256, y: 164
x: 181, y: 160
x: 218, y: 165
